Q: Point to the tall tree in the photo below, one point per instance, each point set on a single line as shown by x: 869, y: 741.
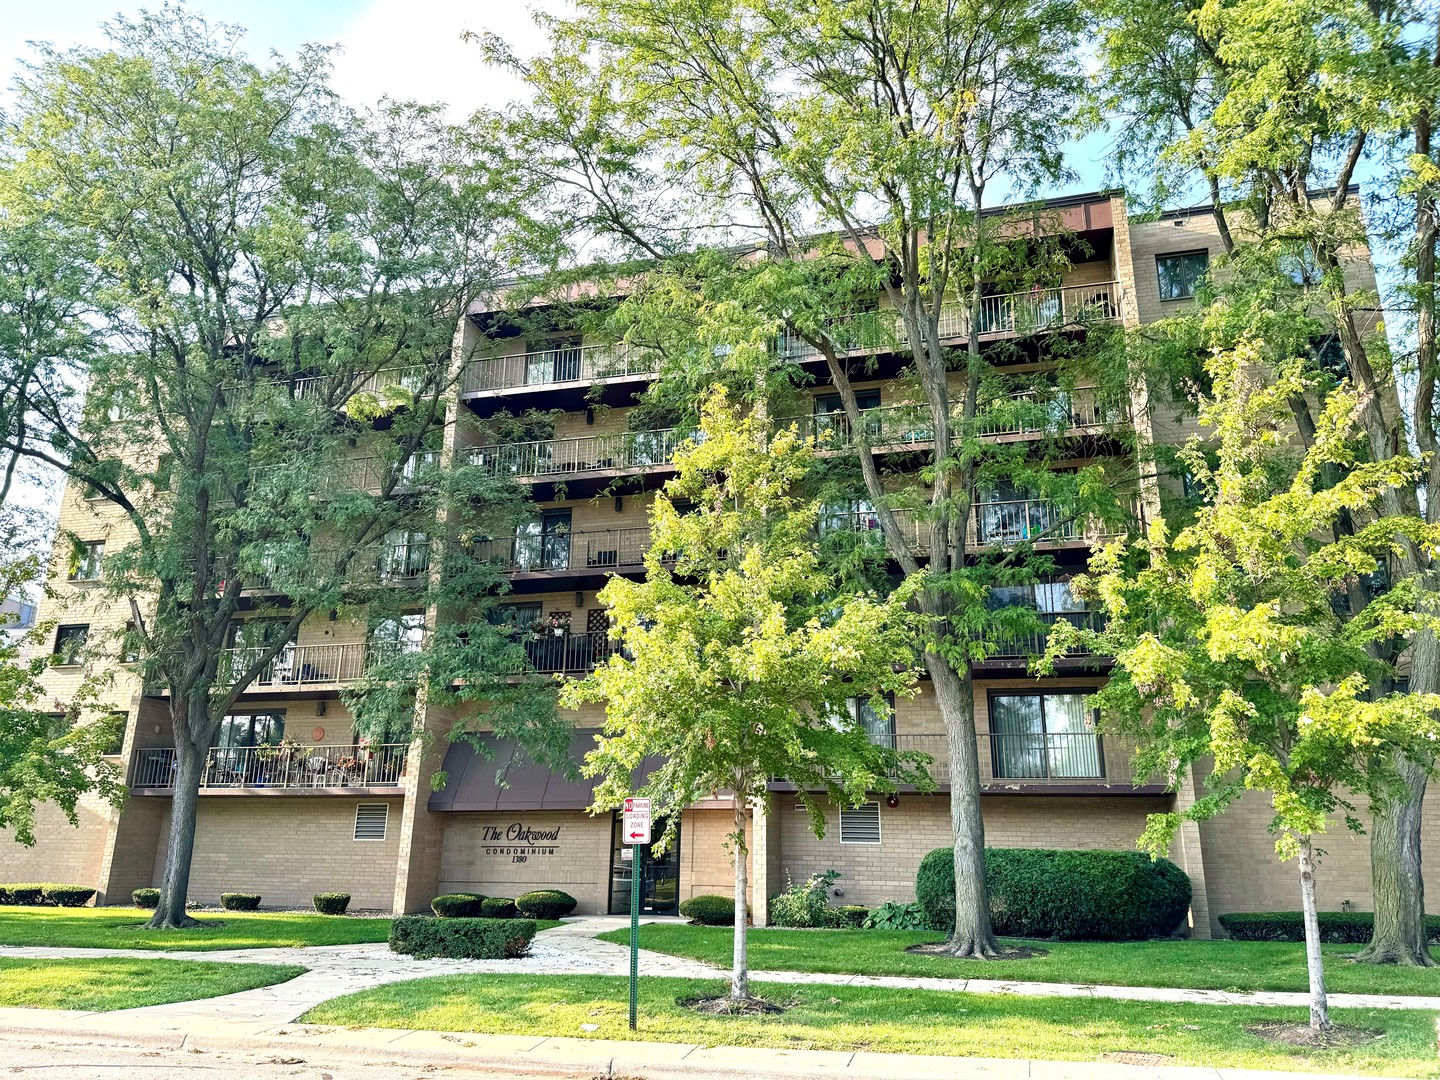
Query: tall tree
x: 271, y: 282
x: 894, y: 129
x: 1278, y: 108
x: 739, y: 659
x: 1229, y: 636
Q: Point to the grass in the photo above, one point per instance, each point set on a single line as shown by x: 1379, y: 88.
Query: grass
x: 1199, y: 965
x: 123, y: 928
x: 108, y: 983
x: 885, y: 1020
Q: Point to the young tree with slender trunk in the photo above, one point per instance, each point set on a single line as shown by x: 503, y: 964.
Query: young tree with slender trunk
x: 1229, y: 636
x: 1278, y: 110
x: 269, y: 282
x: 890, y: 130
x: 739, y: 659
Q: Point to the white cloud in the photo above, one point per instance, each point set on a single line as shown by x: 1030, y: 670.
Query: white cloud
x: 412, y: 49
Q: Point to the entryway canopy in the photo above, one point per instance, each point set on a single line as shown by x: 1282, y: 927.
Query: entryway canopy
x: 510, y: 780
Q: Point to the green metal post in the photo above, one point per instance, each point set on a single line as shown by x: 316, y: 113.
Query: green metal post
x: 636, y: 874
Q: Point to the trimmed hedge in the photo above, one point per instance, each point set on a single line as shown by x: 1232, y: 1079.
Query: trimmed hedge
x: 332, y: 903
x: 146, y: 898
x: 461, y: 939
x: 31, y: 894
x: 239, y: 901
x: 710, y: 910
x: 457, y: 905
x: 1336, y: 927
x: 545, y: 904
x: 846, y: 917
x: 1066, y: 895
x: 498, y: 907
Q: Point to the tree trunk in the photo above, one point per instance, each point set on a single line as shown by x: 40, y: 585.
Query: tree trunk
x: 972, y: 936
x: 1319, y: 1003
x: 740, y: 967
x: 170, y: 913
x: 1395, y: 878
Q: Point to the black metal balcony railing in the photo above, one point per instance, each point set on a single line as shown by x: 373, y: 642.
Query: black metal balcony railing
x: 1024, y: 757
x: 910, y: 424
x: 306, y: 767
x: 558, y: 366
x: 297, y: 666
x: 410, y: 379
x: 603, y: 549
x: 1033, y: 644
x: 1031, y: 311
x: 552, y: 458
x: 566, y: 653
x: 992, y: 524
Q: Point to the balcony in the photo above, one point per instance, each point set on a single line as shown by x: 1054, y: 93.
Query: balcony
x: 567, y: 653
x: 297, y: 667
x: 1033, y: 644
x: 321, y: 387
x: 561, y: 366
x: 591, y: 455
x: 1004, y: 315
x: 992, y: 524
x: 599, y: 551
x: 344, y: 768
x: 903, y: 426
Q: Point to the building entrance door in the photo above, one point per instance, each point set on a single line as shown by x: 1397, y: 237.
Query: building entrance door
x: 660, y: 886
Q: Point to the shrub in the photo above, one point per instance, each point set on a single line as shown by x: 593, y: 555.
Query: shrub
x: 498, y: 907
x: 846, y: 917
x: 1336, y: 927
x: 710, y: 910
x: 803, y: 905
x: 68, y: 895
x: 457, y: 905
x: 893, y: 916
x: 24, y: 894
x: 332, y: 903
x: 146, y: 898
x: 1068, y: 895
x: 239, y: 901
x: 461, y: 939
x: 545, y: 904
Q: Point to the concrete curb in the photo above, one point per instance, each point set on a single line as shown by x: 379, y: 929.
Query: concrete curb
x: 544, y: 1055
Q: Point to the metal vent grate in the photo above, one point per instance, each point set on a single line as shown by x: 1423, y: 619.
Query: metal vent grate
x: 860, y: 825
x: 370, y: 820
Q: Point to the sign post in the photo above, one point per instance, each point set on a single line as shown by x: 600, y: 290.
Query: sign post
x: 635, y: 830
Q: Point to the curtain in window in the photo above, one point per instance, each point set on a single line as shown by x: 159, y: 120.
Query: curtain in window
x: 1073, y: 747
x: 1017, y: 735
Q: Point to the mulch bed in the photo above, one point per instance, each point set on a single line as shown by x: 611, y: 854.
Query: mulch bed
x: 1133, y: 1057
x: 1304, y: 1035
x: 1011, y: 952
x: 726, y: 1006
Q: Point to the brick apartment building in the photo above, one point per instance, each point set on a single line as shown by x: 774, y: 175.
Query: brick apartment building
x: 365, y: 820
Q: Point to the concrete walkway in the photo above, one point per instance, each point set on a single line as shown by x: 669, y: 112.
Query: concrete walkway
x: 573, y: 949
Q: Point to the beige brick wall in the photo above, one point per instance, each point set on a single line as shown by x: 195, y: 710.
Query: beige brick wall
x: 580, y: 866
x: 62, y: 853
x: 706, y: 864
x: 289, y: 849
x: 873, y: 873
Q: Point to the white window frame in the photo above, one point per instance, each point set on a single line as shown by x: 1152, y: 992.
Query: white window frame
x: 879, y: 828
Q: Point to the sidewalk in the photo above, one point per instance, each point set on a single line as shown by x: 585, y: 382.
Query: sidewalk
x: 538, y: 1055
x: 572, y: 949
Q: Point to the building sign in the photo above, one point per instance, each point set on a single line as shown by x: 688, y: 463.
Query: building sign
x: 519, y: 841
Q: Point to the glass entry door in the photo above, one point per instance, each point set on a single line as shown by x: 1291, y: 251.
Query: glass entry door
x: 660, y: 885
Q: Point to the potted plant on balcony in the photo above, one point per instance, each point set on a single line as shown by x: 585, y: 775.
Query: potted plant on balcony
x: 558, y: 623
x: 350, y: 769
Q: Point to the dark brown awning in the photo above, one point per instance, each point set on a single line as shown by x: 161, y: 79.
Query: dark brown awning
x: 510, y: 780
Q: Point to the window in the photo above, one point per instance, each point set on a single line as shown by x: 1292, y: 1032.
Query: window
x: 405, y: 553
x: 860, y: 825
x: 515, y: 616
x: 70, y: 642
x: 1040, y: 735
x: 130, y: 643
x: 850, y: 515
x: 543, y: 543
x: 1180, y: 274
x: 876, y: 717
x: 85, y: 560
x: 401, y: 634
x: 116, y: 721
x: 239, y: 730
x: 370, y: 820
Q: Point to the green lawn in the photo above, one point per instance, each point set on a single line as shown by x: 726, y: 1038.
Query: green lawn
x: 1201, y: 965
x: 107, y: 983
x: 122, y: 928
x: 860, y: 1018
